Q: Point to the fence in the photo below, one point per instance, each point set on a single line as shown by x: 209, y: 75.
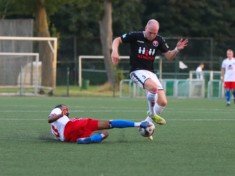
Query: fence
x: 205, y: 50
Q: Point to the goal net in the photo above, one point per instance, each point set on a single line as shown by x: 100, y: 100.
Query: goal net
x: 27, y: 65
x: 19, y: 73
x: 92, y: 67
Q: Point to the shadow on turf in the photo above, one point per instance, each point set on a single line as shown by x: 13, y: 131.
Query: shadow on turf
x: 49, y: 139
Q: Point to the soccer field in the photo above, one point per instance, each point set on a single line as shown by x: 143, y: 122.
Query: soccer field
x: 198, y: 140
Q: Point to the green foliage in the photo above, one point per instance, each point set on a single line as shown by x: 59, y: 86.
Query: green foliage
x: 193, y: 18
x: 187, y: 18
x: 177, y: 17
x: 28, y: 7
x: 5, y: 6
x: 78, y: 18
x: 119, y: 76
x: 127, y: 16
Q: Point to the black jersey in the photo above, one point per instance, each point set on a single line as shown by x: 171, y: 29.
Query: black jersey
x: 143, y: 52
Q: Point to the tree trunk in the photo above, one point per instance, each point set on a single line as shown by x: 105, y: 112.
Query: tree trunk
x: 106, y: 36
x: 45, y: 53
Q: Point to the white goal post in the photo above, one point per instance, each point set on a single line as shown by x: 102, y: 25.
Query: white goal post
x: 52, y: 43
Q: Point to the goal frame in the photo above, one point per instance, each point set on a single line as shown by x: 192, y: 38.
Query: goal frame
x: 81, y: 57
x: 52, y: 42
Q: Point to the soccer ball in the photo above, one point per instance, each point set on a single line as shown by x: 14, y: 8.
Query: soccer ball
x: 148, y: 130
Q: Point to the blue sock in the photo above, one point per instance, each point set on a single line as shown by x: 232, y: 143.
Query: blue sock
x: 227, y: 95
x: 121, y: 123
x: 95, y: 138
x: 86, y: 140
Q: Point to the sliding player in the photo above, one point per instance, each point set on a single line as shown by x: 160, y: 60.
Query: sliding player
x: 84, y: 130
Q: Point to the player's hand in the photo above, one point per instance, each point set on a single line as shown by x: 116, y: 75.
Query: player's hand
x: 222, y: 78
x: 115, y: 57
x: 181, y: 44
x: 65, y: 111
x: 54, y: 117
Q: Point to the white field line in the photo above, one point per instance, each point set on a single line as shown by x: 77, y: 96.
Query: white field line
x: 122, y: 110
x: 189, y: 120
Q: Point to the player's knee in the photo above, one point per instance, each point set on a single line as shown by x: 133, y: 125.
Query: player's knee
x: 105, y: 134
x: 151, y: 86
x: 103, y: 124
x: 163, y: 103
x: 154, y: 90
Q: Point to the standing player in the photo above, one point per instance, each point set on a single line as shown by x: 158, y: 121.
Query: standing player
x: 83, y: 130
x: 144, y: 46
x: 228, y: 76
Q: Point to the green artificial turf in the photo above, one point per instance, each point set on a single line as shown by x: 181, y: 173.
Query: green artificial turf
x: 198, y: 139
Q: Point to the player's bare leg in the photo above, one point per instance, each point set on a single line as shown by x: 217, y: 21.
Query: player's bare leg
x: 156, y: 102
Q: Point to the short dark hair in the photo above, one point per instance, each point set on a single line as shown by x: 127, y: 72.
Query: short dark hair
x: 59, y: 106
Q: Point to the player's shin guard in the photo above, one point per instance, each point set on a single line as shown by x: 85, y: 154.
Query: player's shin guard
x: 121, y: 123
x: 158, y: 109
x: 96, y: 138
x: 151, y: 99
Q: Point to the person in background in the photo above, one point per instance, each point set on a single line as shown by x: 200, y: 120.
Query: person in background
x: 228, y: 76
x: 199, y: 71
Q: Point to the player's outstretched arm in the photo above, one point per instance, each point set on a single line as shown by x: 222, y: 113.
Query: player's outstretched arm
x: 54, y: 117
x: 115, y: 45
x: 181, y: 44
x: 222, y: 74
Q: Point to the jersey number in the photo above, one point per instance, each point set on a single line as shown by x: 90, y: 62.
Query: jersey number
x: 55, y: 131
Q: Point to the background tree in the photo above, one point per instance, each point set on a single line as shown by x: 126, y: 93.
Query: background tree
x: 80, y: 18
x: 106, y: 36
x: 212, y: 18
x: 77, y: 20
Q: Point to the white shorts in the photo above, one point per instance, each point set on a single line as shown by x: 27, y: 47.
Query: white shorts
x: 140, y: 76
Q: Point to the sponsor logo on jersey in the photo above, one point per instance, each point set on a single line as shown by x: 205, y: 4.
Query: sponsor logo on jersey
x: 155, y: 43
x: 124, y: 35
x: 230, y: 67
x: 143, y: 50
x: 146, y: 54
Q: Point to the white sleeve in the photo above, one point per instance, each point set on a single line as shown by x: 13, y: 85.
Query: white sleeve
x: 223, y: 64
